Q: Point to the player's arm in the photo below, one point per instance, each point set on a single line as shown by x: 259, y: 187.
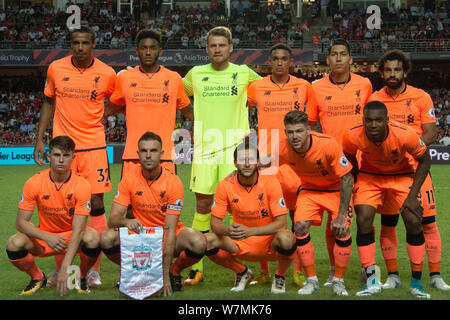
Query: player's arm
x: 117, y: 218
x: 169, y: 249
x: 78, y: 227
x: 339, y: 224
x: 46, y: 113
x: 24, y: 225
x: 111, y: 108
x: 188, y: 112
x: 240, y: 231
x: 411, y: 203
x: 429, y: 133
x: 354, y: 162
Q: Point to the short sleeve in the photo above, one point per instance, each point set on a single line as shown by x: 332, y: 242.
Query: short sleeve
x: 187, y: 81
x: 347, y: 145
x: 251, y: 94
x: 117, y: 96
x: 219, y: 208
x: 338, y: 162
x: 414, y: 145
x: 311, y: 102
x: 29, y: 195
x: 123, y: 195
x: 252, y: 75
x: 426, y: 108
x: 182, y: 98
x: 276, y: 200
x: 49, y: 88
x: 175, y: 197
x: 312, y: 109
x: 83, y: 198
x: 111, y: 83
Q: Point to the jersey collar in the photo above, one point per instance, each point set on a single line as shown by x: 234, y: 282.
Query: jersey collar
x: 336, y: 83
x: 90, y: 65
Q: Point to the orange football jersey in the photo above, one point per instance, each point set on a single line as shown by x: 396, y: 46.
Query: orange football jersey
x: 151, y: 102
x: 80, y: 96
x: 56, y: 204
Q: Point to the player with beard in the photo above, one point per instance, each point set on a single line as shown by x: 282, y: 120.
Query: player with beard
x: 385, y: 169
x: 340, y: 96
x: 258, y: 231
x: 413, y: 107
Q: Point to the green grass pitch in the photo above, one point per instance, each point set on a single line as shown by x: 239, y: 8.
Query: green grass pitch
x: 218, y: 280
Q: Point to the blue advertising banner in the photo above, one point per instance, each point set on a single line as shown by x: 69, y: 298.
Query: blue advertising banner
x: 24, y: 155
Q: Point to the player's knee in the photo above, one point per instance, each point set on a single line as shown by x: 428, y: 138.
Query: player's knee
x: 204, y: 203
x: 16, y: 242
x: 212, y: 240
x: 389, y: 220
x: 285, y: 239
x: 364, y: 223
x: 196, y: 240
x: 109, y: 239
x: 301, y: 228
x: 91, y: 238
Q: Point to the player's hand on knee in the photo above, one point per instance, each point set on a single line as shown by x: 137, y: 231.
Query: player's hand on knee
x: 413, y: 205
x: 134, y: 225
x: 56, y: 242
x: 339, y: 226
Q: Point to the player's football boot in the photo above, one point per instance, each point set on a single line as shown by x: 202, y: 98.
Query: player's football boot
x: 299, y: 278
x: 417, y: 290
x: 93, y: 277
x: 241, y: 281
x: 52, y: 279
x: 438, y: 283
x: 392, y: 282
x: 339, y: 288
x: 34, y: 286
x: 371, y: 287
x: 263, y: 278
x: 329, y: 282
x: 83, y: 286
x: 193, y: 278
x: 278, y: 284
x: 310, y: 287
x: 175, y: 282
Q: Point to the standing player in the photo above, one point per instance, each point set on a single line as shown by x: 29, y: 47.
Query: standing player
x: 340, y: 97
x: 386, y: 170
x: 151, y: 94
x: 413, y: 107
x: 326, y: 186
x: 259, y: 220
x: 221, y: 121
x: 274, y: 96
x: 156, y: 196
x: 75, y: 90
x: 63, y: 201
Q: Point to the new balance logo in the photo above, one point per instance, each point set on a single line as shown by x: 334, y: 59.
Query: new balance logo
x: 46, y: 197
x: 327, y: 98
x: 394, y: 152
x: 205, y: 79
x: 65, y: 79
x: 267, y: 93
x: 234, y: 91
x: 165, y: 98
x: 133, y: 85
x: 69, y: 196
x: 138, y: 193
x: 235, y: 200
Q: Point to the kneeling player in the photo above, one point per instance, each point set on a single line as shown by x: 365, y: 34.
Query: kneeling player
x: 156, y: 196
x: 63, y: 201
x: 386, y: 170
x: 259, y: 213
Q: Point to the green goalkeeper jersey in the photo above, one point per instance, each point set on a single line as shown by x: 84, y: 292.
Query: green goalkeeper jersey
x: 220, y: 106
